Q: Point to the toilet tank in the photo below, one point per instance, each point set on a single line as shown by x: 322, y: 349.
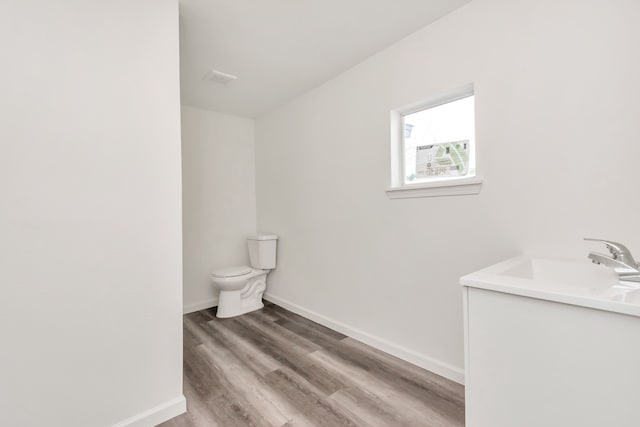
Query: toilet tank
x: 262, y: 250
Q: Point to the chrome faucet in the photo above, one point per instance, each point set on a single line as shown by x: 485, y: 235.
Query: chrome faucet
x: 621, y: 260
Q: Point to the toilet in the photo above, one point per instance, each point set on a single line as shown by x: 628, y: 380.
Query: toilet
x: 241, y: 287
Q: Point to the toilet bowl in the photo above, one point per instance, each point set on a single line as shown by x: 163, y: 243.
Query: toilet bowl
x: 241, y: 287
x: 241, y: 290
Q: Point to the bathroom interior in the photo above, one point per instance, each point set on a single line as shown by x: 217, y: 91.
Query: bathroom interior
x: 370, y: 213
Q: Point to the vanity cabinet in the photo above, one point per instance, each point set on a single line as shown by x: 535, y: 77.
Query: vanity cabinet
x: 546, y: 351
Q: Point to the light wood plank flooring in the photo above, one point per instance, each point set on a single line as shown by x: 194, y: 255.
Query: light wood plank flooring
x: 275, y: 368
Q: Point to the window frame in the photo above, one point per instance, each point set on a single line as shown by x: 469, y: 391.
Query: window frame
x: 445, y: 186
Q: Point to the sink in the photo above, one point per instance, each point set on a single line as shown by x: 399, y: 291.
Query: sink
x: 576, y: 282
x: 562, y: 272
x: 550, y: 342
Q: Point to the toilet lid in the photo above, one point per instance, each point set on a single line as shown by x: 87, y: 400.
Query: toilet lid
x: 240, y: 270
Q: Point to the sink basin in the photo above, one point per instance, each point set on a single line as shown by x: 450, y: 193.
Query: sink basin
x: 576, y: 282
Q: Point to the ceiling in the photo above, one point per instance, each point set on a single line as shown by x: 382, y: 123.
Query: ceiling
x: 279, y: 49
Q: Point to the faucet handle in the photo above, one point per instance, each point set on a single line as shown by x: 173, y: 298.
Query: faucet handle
x: 618, y: 250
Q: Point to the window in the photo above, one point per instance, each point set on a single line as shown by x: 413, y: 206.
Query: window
x: 438, y: 142
x: 433, y: 148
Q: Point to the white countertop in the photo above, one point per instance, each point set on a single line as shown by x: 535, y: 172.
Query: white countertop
x: 574, y: 282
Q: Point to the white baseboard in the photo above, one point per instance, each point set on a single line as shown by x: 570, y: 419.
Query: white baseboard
x: 157, y: 415
x: 190, y: 308
x: 441, y: 368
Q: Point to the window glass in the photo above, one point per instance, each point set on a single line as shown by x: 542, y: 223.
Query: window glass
x: 438, y: 142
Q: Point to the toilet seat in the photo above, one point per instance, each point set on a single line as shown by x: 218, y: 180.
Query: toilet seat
x: 236, y: 271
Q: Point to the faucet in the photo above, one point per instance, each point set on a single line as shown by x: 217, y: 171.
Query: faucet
x: 621, y: 260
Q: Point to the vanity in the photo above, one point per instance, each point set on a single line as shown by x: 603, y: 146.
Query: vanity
x: 551, y: 343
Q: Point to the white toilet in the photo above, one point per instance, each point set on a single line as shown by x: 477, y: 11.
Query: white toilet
x: 241, y: 287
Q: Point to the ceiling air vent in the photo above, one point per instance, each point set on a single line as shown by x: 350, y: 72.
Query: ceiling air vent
x: 219, y: 77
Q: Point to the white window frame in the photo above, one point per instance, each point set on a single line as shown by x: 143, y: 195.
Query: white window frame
x: 448, y: 186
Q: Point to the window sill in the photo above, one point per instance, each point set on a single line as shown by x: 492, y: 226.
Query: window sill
x: 452, y: 187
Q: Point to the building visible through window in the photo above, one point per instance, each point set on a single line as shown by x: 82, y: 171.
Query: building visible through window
x: 438, y: 141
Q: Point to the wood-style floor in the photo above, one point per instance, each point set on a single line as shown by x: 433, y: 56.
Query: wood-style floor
x: 275, y: 368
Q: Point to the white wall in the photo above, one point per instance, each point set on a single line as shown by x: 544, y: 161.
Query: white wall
x: 90, y: 224
x: 558, y: 133
x: 219, y: 198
